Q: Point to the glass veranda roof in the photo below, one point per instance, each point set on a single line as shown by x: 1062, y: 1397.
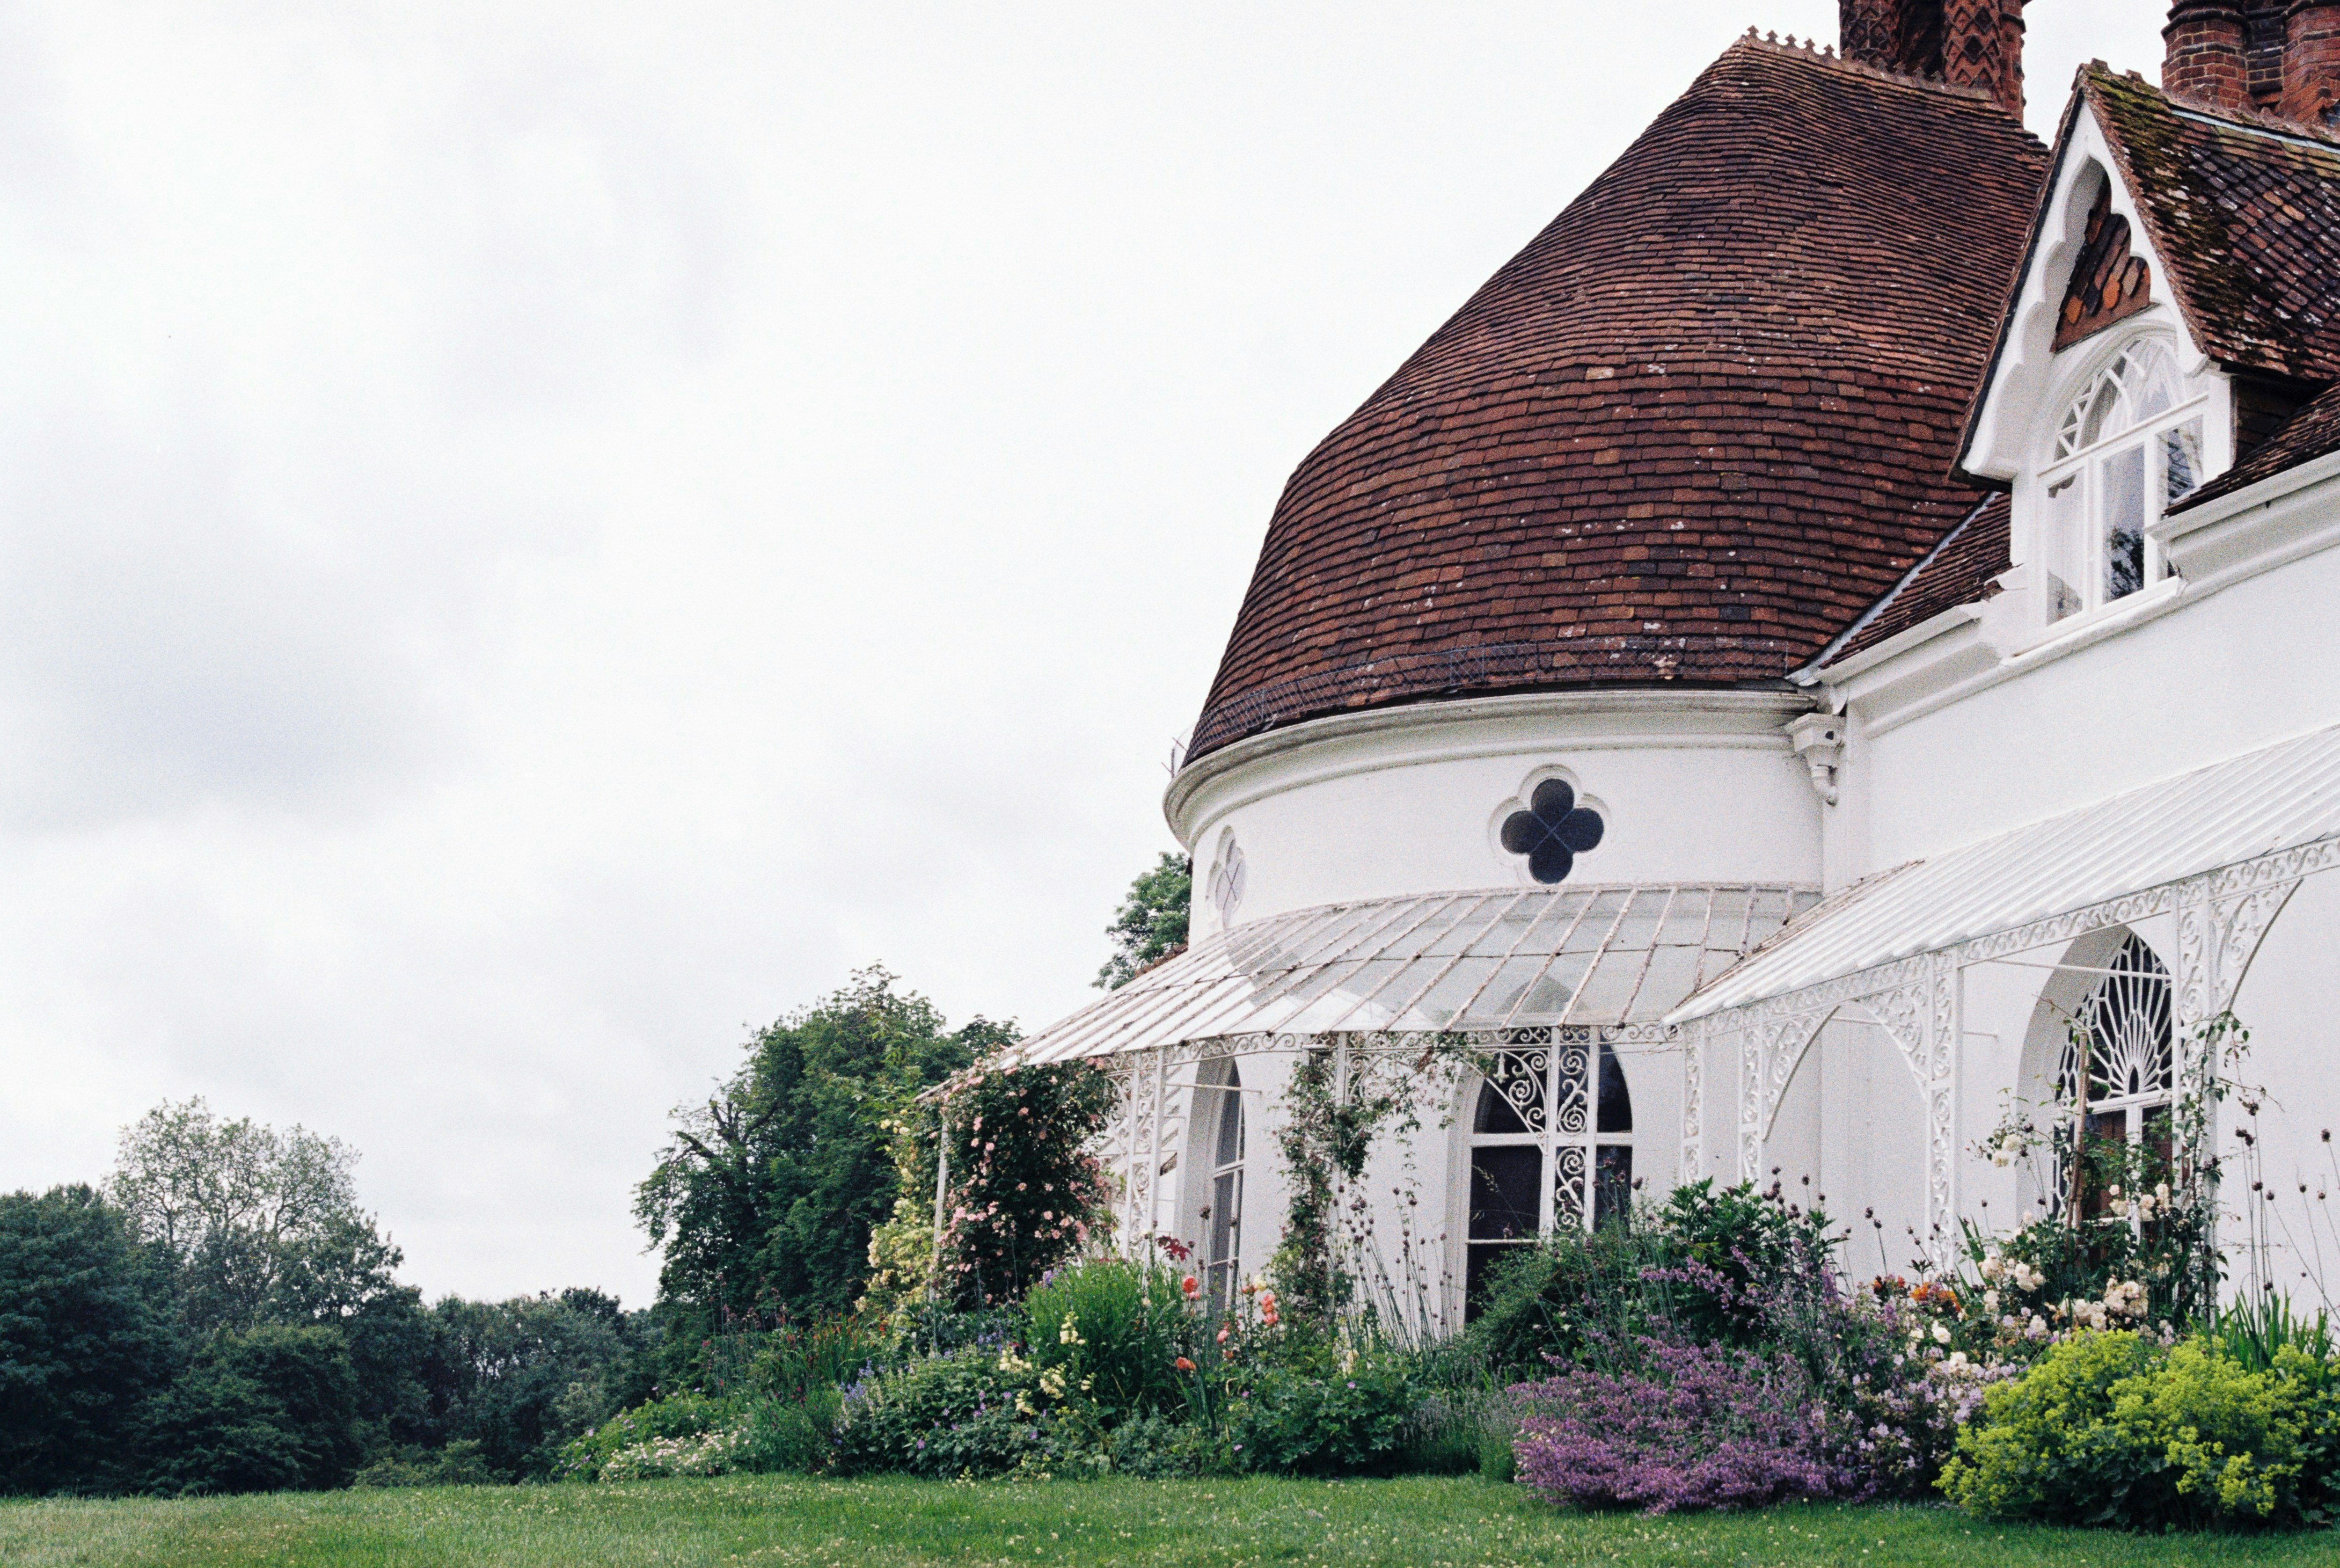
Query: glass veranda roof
x: 1513, y: 958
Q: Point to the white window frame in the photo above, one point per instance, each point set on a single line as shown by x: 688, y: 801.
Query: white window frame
x: 1564, y: 1128
x: 1222, y: 1187
x: 2072, y: 534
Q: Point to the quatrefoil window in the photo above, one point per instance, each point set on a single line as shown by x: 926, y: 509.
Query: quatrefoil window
x: 1553, y: 831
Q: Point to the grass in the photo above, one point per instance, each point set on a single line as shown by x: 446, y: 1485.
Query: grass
x: 761, y: 1520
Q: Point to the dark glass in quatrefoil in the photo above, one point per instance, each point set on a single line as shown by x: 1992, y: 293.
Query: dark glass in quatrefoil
x: 1553, y: 831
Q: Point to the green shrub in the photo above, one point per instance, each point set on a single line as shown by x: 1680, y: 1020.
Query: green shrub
x: 797, y: 1437
x: 1110, y: 1332
x: 1754, y: 1241
x: 1565, y: 1295
x: 2110, y: 1429
x: 457, y: 1464
x: 972, y: 1412
x: 668, y: 1420
x: 1161, y: 1448
x: 1360, y: 1422
x: 797, y: 1361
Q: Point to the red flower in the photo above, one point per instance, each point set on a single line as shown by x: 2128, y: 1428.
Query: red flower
x: 1184, y: 1364
x: 1190, y: 1287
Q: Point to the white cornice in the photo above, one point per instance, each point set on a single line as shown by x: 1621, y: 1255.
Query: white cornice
x: 1520, y: 724
x: 2265, y: 524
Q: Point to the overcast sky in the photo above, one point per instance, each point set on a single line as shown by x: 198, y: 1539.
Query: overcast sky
x: 535, y: 538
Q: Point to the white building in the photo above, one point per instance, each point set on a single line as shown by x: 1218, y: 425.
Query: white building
x: 1753, y: 679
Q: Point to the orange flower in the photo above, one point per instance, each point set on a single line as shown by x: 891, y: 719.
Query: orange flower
x: 1190, y: 1287
x: 1184, y: 1364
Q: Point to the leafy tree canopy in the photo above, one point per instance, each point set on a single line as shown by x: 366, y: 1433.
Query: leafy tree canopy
x: 82, y: 1342
x: 240, y: 1209
x: 765, y: 1195
x: 1151, y: 923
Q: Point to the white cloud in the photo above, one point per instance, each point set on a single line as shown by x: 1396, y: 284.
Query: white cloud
x: 535, y: 537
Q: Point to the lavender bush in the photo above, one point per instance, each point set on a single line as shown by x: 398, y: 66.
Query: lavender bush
x: 1701, y: 1426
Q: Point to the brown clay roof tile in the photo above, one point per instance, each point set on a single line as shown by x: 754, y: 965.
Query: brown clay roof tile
x: 2244, y: 211
x: 1958, y: 571
x: 1690, y: 433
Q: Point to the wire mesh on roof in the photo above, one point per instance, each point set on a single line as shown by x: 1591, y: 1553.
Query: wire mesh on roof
x: 1583, y: 956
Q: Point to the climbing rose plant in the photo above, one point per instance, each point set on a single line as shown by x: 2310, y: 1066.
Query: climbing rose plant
x: 1026, y: 1190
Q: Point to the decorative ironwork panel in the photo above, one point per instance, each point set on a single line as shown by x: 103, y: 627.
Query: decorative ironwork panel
x: 1569, y: 1189
x: 1573, y: 1083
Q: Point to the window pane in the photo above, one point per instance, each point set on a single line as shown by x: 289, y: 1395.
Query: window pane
x: 1612, y: 1184
x: 1512, y: 1101
x: 1616, y: 1103
x: 2106, y: 412
x: 2064, y: 514
x: 2124, y: 484
x: 1505, y: 1183
x: 1230, y: 1121
x: 2181, y: 460
x: 1226, y: 1216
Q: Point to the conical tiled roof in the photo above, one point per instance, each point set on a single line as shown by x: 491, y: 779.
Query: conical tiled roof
x: 1689, y: 433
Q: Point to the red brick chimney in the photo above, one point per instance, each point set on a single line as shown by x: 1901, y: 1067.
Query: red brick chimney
x: 2311, y: 61
x: 1982, y: 46
x: 1870, y: 31
x: 1969, y: 43
x: 2208, y: 57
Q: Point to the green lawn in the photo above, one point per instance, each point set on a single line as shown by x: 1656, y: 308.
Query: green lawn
x: 773, y: 1520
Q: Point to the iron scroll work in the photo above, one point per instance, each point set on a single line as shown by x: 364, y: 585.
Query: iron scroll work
x: 1919, y: 1002
x: 1430, y: 1066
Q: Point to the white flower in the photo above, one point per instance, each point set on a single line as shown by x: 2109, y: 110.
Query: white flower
x: 1941, y: 1335
x: 1991, y: 1302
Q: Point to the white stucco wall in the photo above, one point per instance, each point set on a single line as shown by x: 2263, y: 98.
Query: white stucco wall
x: 2253, y: 664
x: 1691, y: 786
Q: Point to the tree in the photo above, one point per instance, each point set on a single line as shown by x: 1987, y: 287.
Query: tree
x: 233, y: 1205
x: 82, y: 1341
x: 342, y: 1275
x: 519, y: 1378
x: 765, y: 1198
x: 1151, y: 923
x: 272, y: 1409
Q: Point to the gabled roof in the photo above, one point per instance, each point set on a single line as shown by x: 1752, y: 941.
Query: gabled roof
x: 2244, y: 212
x: 1690, y: 433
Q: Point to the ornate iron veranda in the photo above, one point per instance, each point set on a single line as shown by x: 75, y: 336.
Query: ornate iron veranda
x: 1392, y: 986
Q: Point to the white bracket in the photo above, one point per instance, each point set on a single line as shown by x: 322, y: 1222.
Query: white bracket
x: 1819, y: 740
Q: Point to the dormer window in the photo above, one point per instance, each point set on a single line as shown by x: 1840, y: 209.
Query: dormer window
x: 2128, y: 447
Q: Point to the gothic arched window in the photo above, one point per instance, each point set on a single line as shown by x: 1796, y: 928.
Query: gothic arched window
x: 2132, y: 1058
x: 1552, y: 1145
x: 2128, y: 447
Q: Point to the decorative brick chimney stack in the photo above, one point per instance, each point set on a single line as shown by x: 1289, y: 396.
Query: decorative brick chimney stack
x: 2311, y: 62
x: 1982, y: 46
x: 1870, y: 31
x: 1969, y: 42
x: 2208, y: 57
